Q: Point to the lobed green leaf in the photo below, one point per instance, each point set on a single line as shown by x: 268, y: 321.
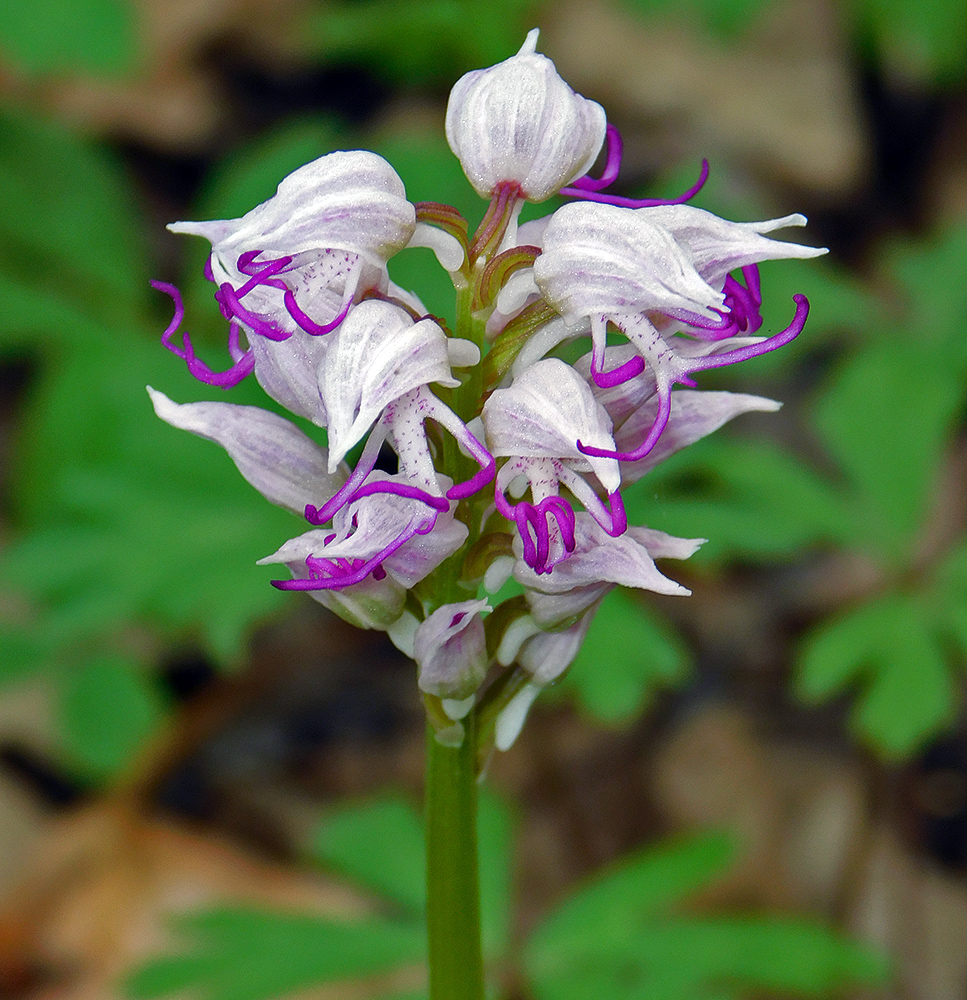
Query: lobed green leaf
x: 627, y: 657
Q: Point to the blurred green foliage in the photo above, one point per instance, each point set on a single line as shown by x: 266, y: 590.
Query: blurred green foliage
x: 235, y: 954
x: 122, y: 527
x: 74, y: 36
x: 623, y: 933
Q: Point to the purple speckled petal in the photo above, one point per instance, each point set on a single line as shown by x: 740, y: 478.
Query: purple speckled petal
x: 385, y: 532
x: 544, y: 413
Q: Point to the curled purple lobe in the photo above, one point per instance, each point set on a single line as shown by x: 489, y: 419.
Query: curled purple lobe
x: 591, y: 188
x: 688, y: 366
x: 244, y: 362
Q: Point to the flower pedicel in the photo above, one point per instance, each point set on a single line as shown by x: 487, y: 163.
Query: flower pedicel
x: 510, y: 461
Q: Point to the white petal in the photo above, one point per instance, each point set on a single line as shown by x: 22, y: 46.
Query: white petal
x: 402, y: 633
x: 599, y: 259
x: 377, y: 355
x: 546, y: 656
x: 544, y: 413
x: 512, y: 717
x: 288, y: 371
x: 694, y: 414
x: 347, y: 200
x: 718, y: 246
x: 598, y: 558
x: 284, y: 465
x: 447, y: 248
x: 462, y: 353
x: 451, y: 650
x: 519, y: 630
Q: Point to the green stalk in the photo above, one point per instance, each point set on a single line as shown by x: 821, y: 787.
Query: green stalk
x: 453, y: 895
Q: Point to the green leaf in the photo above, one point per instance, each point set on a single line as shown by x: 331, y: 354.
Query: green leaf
x: 107, y: 710
x: 620, y: 937
x: 626, y: 657
x: 837, y: 303
x: 32, y: 317
x: 640, y: 887
x: 891, y: 648
x: 948, y: 593
x: 749, y: 498
x: 69, y: 222
x: 887, y: 418
x: 237, y: 954
x: 930, y: 274
x: 151, y: 523
x: 380, y: 846
x: 73, y: 36
x: 22, y: 652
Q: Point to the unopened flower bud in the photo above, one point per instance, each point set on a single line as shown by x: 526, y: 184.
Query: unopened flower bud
x: 451, y: 650
x: 518, y: 122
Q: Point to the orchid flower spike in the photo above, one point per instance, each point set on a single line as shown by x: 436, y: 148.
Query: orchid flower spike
x: 455, y: 459
x: 519, y: 124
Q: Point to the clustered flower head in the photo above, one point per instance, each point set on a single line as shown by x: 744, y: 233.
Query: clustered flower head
x: 508, y: 460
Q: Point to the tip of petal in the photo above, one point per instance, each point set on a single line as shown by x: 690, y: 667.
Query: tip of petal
x: 530, y: 42
x: 164, y: 407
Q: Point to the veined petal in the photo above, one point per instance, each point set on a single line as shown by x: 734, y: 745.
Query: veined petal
x: 547, y: 655
x: 421, y: 555
x: 554, y: 612
x: 718, y: 246
x: 599, y: 558
x: 451, y: 650
x: 599, y: 259
x: 545, y: 412
x: 376, y: 356
x: 375, y: 604
x: 288, y: 371
x: 349, y: 200
x: 520, y: 122
x: 371, y: 603
x: 284, y: 465
x: 694, y: 414
x: 415, y: 538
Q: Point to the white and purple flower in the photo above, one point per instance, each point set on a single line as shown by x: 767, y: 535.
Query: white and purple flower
x: 506, y: 460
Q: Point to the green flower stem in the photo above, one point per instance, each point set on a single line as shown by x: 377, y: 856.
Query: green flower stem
x: 453, y: 895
